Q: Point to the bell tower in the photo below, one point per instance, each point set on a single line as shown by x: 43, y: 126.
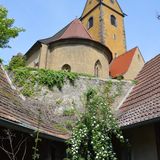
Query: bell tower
x: 104, y: 20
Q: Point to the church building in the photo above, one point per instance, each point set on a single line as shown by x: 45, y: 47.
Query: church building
x: 94, y: 44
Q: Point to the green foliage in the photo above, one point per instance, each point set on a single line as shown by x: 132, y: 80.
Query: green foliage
x: 59, y: 101
x: 28, y: 78
x: 1, y: 60
x: 60, y: 127
x: 119, y: 77
x: 108, y: 92
x: 134, y: 82
x: 7, y: 30
x: 69, y: 125
x: 93, y: 133
x: 69, y: 112
x: 16, y: 62
x: 36, y: 154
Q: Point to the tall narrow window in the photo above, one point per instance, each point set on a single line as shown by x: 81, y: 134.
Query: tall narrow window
x: 116, y: 55
x: 113, y: 20
x: 97, y: 68
x: 90, y: 23
x: 66, y: 67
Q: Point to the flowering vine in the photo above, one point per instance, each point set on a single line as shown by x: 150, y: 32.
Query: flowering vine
x: 92, y: 137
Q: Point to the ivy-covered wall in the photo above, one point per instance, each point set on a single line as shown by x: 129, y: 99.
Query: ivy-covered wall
x: 64, y: 91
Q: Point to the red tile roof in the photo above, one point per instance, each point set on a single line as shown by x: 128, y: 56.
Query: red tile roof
x: 120, y: 65
x: 143, y: 103
x: 25, y: 114
x: 75, y: 29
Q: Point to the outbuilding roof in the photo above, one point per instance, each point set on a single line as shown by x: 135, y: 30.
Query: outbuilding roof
x: 143, y: 103
x: 120, y: 65
x: 17, y: 112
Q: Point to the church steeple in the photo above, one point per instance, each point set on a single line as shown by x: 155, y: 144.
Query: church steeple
x: 104, y: 20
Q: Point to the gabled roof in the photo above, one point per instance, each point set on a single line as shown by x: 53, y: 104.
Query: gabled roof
x: 143, y: 103
x: 16, y: 112
x: 75, y: 29
x: 120, y: 65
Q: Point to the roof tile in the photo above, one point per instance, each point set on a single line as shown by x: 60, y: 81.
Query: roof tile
x: 120, y: 65
x: 143, y: 103
x: 75, y: 29
x: 24, y: 113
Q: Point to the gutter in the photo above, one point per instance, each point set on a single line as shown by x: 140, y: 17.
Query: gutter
x: 139, y: 124
x: 28, y: 129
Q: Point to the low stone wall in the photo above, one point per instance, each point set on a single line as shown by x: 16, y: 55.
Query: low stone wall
x: 72, y: 96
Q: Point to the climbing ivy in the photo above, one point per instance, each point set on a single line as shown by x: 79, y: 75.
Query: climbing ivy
x: 108, y: 92
x: 28, y: 78
x: 93, y: 133
x: 36, y: 154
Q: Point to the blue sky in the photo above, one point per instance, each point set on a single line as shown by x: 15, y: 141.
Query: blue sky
x: 43, y: 18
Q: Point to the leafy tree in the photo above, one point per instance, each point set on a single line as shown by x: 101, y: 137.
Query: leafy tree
x: 7, y: 30
x: 92, y: 137
x: 1, y: 60
x: 16, y: 62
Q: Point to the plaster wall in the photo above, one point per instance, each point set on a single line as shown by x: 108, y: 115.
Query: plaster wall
x: 33, y: 58
x: 135, y: 67
x: 114, y: 37
x: 80, y: 57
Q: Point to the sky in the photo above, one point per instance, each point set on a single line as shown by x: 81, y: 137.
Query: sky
x: 43, y: 18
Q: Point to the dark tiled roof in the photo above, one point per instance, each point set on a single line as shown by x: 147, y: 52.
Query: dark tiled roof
x: 143, y: 103
x: 55, y: 37
x: 75, y: 29
x: 120, y: 65
x: 25, y: 114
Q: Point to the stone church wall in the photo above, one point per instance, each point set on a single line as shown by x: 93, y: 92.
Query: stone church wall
x: 80, y: 57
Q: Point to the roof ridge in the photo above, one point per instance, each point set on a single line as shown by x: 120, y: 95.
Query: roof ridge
x: 77, y: 23
x: 67, y: 27
x: 154, y: 58
x: 10, y: 82
x: 124, y: 54
x: 117, y: 68
x: 86, y: 31
x: 59, y: 35
x: 128, y: 51
x: 55, y: 35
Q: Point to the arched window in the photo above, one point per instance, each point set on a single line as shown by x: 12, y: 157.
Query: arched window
x: 97, y: 68
x: 66, y: 67
x: 113, y: 20
x: 90, y: 23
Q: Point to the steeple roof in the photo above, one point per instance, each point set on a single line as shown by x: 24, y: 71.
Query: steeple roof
x: 93, y: 4
x: 75, y: 29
